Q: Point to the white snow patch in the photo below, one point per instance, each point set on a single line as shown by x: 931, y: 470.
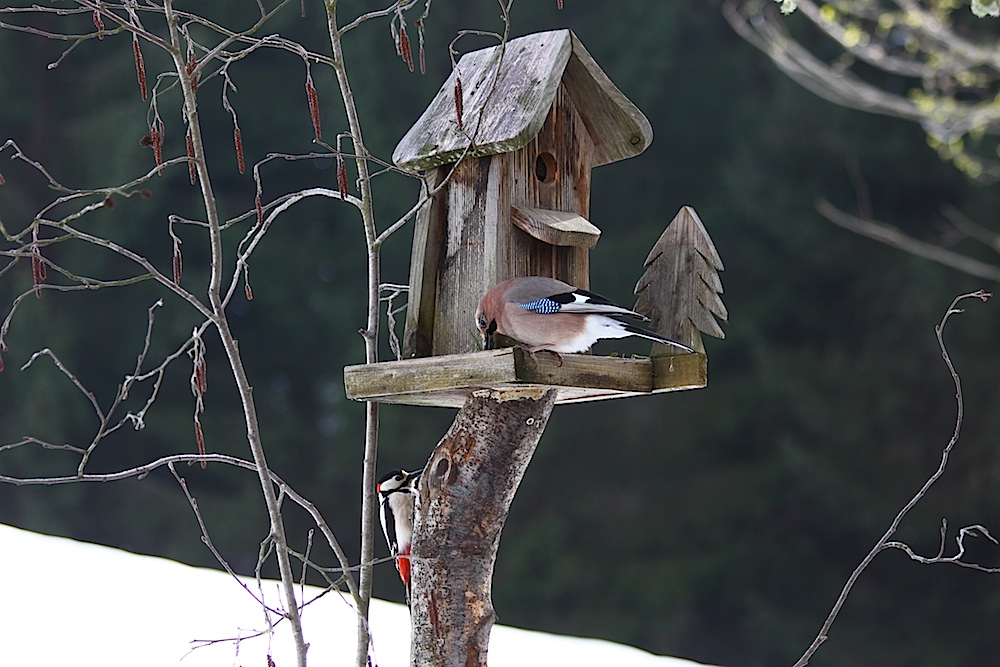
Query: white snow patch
x: 73, y: 603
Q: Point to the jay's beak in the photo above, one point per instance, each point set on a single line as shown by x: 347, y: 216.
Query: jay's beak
x: 490, y: 336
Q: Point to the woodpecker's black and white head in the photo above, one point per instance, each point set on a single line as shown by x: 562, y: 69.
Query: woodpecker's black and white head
x: 397, y: 492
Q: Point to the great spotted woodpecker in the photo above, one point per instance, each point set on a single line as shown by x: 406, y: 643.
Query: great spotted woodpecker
x: 397, y: 492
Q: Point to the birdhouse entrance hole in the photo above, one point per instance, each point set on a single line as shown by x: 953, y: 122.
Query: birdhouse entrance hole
x: 545, y: 167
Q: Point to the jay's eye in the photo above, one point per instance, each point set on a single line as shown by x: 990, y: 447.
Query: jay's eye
x: 481, y: 321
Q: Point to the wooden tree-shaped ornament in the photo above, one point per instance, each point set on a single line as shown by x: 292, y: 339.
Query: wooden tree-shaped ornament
x: 681, y: 291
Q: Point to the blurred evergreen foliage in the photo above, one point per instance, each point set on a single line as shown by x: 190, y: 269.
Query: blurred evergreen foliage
x: 717, y: 525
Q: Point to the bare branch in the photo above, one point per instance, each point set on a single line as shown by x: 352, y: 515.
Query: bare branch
x: 884, y: 541
x: 140, y: 472
x: 975, y: 530
x: 947, y: 75
x: 29, y: 440
x: 392, y: 291
x: 379, y: 13
x: 256, y: 233
x: 971, y: 229
x: 896, y: 238
x: 207, y: 540
x: 65, y: 371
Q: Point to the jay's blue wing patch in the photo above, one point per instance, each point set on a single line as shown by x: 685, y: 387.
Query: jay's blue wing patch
x: 578, y: 301
x: 545, y: 306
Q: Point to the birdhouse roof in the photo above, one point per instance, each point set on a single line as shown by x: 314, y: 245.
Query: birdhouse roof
x: 503, y: 107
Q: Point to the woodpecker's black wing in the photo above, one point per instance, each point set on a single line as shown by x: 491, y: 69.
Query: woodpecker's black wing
x: 388, y: 526
x: 384, y: 489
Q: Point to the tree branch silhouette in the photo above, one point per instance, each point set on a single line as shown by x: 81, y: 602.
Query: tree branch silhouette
x: 885, y: 542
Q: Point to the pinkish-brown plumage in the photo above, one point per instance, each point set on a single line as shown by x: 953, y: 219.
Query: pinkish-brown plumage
x: 548, y: 314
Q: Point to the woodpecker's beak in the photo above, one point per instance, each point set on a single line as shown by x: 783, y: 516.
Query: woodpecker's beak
x: 414, y: 474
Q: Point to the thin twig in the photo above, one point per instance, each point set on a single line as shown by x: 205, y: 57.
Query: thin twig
x: 896, y: 238
x: 975, y: 530
x: 207, y: 540
x: 884, y: 541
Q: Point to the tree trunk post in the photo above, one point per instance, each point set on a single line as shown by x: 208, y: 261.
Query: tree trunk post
x: 465, y: 493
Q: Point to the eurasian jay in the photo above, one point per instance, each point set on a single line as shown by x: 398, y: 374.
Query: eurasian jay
x: 548, y: 314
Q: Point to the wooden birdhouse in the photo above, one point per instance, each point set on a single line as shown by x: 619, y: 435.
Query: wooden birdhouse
x: 541, y: 114
x: 506, y: 150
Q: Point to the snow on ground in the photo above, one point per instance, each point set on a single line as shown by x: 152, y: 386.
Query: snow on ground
x: 72, y: 603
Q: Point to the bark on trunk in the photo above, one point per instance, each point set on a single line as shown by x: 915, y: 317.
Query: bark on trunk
x: 465, y: 493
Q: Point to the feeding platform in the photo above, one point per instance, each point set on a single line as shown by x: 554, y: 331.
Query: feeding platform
x: 448, y: 380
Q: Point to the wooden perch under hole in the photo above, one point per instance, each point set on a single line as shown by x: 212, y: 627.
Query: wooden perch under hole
x: 559, y: 228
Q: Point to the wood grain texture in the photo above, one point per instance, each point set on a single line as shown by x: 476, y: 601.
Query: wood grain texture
x: 563, y: 141
x: 558, y: 228
x: 617, y: 126
x: 680, y: 290
x: 504, y: 104
x: 682, y: 371
x: 466, y: 490
x: 465, y: 241
x: 428, y: 234
x: 522, y: 209
x: 477, y: 206
x: 449, y: 380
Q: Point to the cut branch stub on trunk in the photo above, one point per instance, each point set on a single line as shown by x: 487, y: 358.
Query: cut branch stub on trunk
x: 465, y: 493
x: 681, y: 291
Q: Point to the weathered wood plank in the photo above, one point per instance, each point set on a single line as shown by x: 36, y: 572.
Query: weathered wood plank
x: 584, y: 371
x: 505, y: 103
x: 477, y: 212
x: 618, y: 128
x: 448, y: 380
x: 682, y: 371
x: 450, y: 371
x: 428, y: 231
x: 559, y: 228
x: 564, y: 144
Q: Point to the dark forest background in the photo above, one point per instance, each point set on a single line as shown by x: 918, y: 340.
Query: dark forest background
x: 717, y: 525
